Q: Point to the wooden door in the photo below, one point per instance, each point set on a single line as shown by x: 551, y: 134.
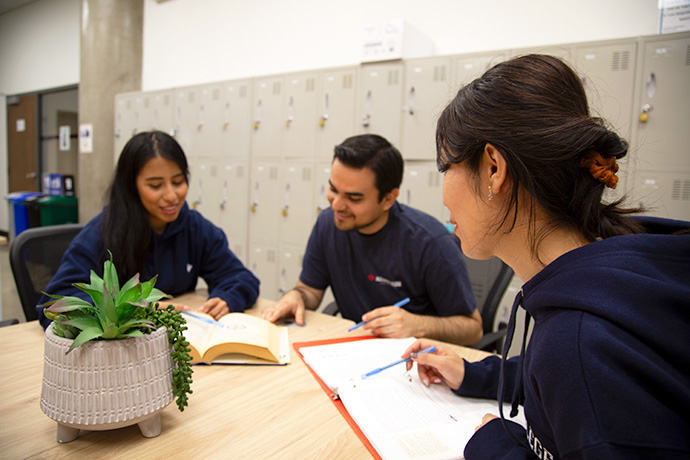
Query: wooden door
x: 21, y: 145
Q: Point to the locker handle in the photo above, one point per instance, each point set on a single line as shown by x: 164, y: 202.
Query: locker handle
x: 222, y: 202
x: 644, y: 112
x: 409, y: 108
x: 323, y: 119
x: 366, y: 120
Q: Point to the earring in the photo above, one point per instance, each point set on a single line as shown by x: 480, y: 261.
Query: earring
x: 491, y: 194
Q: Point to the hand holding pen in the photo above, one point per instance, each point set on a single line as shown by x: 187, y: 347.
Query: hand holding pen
x: 443, y: 365
x: 413, y: 355
x: 379, y: 313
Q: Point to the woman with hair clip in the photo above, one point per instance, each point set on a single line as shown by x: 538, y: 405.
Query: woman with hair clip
x: 606, y: 374
x: 149, y: 229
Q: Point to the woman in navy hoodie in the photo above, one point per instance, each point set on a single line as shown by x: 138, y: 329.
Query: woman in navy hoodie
x: 149, y: 229
x: 606, y: 374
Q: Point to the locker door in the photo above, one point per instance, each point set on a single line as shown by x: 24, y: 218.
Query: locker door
x: 469, y: 67
x: 124, y: 121
x: 663, y: 182
x: 209, y: 121
x: 266, y: 202
x: 608, y: 73
x: 236, y: 119
x: 187, y: 119
x: 263, y: 262
x: 268, y: 122
x: 207, y: 194
x: 300, y: 115
x: 289, y: 266
x: 321, y: 185
x: 296, y: 199
x: 234, y: 210
x: 162, y: 112
x: 380, y: 100
x: 337, y: 109
x: 427, y: 91
x: 422, y: 188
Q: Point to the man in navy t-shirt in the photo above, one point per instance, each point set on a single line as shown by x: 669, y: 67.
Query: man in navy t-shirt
x: 373, y: 252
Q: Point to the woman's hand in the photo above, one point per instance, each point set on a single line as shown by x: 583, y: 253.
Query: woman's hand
x: 486, y: 419
x: 442, y: 365
x: 215, y: 307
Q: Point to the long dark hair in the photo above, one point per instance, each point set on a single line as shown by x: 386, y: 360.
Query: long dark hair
x: 376, y: 153
x: 126, y: 227
x: 534, y: 110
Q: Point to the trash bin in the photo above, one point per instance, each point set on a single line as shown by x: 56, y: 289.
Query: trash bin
x: 33, y: 212
x: 19, y: 220
x: 52, y: 210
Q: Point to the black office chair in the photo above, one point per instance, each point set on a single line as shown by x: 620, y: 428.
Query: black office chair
x: 35, y: 256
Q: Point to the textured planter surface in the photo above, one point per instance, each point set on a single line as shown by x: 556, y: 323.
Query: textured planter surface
x: 106, y: 384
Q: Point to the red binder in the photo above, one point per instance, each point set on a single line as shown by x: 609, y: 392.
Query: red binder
x: 338, y: 403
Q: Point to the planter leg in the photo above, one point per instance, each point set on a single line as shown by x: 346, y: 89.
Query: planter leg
x: 66, y: 434
x: 151, y: 427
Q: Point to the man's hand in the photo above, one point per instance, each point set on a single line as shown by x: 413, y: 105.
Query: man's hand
x: 291, y: 303
x: 390, y: 322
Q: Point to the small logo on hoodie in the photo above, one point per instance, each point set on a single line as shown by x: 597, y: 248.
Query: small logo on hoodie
x: 189, y: 268
x: 382, y: 280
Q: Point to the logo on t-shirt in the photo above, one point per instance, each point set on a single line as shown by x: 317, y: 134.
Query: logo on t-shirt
x: 382, y: 280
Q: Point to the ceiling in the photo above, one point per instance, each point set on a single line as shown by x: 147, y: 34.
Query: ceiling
x: 9, y: 5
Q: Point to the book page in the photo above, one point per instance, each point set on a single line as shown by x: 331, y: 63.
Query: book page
x: 238, y: 358
x: 198, y: 334
x: 401, y: 417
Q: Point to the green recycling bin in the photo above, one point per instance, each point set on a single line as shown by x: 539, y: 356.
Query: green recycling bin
x: 54, y: 210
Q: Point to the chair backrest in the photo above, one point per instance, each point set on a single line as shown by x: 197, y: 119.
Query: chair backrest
x: 35, y: 255
x: 490, y: 279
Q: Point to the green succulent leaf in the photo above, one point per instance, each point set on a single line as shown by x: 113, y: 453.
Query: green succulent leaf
x: 90, y: 290
x: 130, y: 291
x: 147, y: 286
x: 155, y: 295
x: 111, y: 332
x: 83, y: 322
x: 69, y: 303
x: 110, y: 275
x: 85, y: 336
x: 107, y: 307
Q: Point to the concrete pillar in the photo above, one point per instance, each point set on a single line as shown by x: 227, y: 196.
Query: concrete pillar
x: 111, y: 63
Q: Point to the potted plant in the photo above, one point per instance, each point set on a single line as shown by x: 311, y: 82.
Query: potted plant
x: 114, y: 362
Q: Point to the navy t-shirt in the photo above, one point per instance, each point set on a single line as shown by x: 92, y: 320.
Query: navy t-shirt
x: 413, y: 256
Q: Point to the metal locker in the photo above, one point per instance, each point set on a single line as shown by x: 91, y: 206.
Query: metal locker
x: 232, y: 204
x: 207, y: 191
x: 471, y: 66
x: 125, y: 121
x: 267, y: 118
x: 296, y: 200
x: 236, y: 137
x: 263, y: 263
x: 207, y: 136
x: 161, y: 112
x: 380, y: 100
x: 186, y: 119
x: 422, y: 188
x: 321, y: 186
x: 336, y: 109
x: 266, y: 203
x: 427, y: 91
x: 289, y: 266
x: 661, y: 123
x: 300, y: 116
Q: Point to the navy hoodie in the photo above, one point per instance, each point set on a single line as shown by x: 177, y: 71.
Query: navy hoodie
x: 190, y: 247
x: 606, y: 374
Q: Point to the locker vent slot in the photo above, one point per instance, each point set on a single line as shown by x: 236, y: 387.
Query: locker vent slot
x: 306, y: 174
x: 190, y: 97
x: 214, y: 171
x: 276, y: 88
x: 166, y: 100
x: 621, y: 61
x: 393, y: 77
x: 216, y: 94
x: 240, y: 171
x: 128, y: 104
x: 440, y: 73
x: 271, y: 255
x: 680, y: 190
x: 347, y: 81
x: 310, y: 85
x: 687, y: 56
x: 243, y: 91
x: 146, y: 102
x: 273, y: 173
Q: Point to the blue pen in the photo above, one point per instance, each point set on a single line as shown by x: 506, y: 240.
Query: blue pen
x: 397, y: 304
x: 400, y: 361
x: 203, y: 318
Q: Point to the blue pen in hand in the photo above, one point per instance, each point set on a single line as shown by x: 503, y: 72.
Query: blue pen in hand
x: 397, y: 304
x: 400, y: 361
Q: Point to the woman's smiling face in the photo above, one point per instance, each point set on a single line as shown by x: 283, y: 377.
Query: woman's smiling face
x: 162, y: 188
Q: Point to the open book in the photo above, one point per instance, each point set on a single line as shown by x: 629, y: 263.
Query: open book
x: 400, y: 417
x: 237, y: 338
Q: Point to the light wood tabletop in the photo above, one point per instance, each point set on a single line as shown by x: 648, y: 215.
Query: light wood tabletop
x: 239, y: 412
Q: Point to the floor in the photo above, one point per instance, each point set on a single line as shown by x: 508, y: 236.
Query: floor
x: 11, y: 307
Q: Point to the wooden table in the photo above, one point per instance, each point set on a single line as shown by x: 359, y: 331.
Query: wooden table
x: 239, y: 412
